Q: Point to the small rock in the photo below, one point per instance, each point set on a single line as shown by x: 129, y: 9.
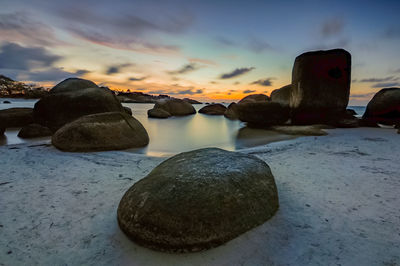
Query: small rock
x: 158, y: 113
x: 213, y: 109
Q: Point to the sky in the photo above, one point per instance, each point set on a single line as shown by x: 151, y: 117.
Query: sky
x: 207, y: 50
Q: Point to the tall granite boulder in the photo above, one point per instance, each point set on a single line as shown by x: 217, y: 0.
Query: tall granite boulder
x: 213, y: 109
x: 16, y: 117
x: 100, y: 132
x: 198, y: 200
x: 384, y: 108
x: 65, y: 104
x: 320, y: 86
x: 175, y: 107
x: 263, y: 114
x: 282, y: 95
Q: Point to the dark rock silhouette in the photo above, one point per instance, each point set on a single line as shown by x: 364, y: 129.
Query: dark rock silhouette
x: 254, y: 98
x: 198, y: 200
x: 6, y: 102
x: 282, y: 95
x: 128, y: 110
x: 213, y: 109
x: 263, y: 114
x: 320, y: 86
x: 384, y: 108
x: 103, y: 131
x: 73, y: 84
x: 158, y: 113
x: 34, y: 131
x: 16, y: 117
x: 65, y: 104
x: 231, y: 112
x: 175, y: 107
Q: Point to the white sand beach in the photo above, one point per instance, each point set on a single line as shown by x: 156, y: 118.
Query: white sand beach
x: 339, y: 205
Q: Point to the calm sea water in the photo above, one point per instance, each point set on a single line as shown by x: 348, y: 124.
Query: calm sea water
x: 178, y: 134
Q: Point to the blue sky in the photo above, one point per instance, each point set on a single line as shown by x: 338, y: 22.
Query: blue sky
x: 218, y: 50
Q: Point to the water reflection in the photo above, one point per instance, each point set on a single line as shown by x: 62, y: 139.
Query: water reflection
x: 179, y: 134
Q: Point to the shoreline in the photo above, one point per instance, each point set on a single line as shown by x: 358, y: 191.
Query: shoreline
x: 338, y: 204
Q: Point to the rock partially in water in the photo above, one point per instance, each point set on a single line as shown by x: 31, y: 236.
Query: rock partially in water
x: 282, y: 95
x: 7, y: 102
x: 158, y: 113
x: 128, y: 110
x: 175, y: 107
x: 100, y: 132
x: 213, y: 109
x: 198, y: 200
x: 16, y: 117
x: 232, y: 112
x: 59, y: 108
x: 320, y: 86
x: 384, y: 108
x: 254, y: 98
x: 34, y: 131
x: 263, y: 114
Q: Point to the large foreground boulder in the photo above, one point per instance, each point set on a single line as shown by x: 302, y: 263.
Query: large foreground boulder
x: 213, y: 109
x: 252, y: 98
x: 98, y: 132
x: 282, y: 95
x: 16, y: 117
x: 175, y: 107
x: 263, y: 114
x: 34, y: 131
x: 320, y: 86
x: 384, y: 108
x: 198, y: 200
x: 73, y: 84
x: 59, y: 108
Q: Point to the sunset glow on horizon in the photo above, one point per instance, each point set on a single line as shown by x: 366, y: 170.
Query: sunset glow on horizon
x: 205, y: 50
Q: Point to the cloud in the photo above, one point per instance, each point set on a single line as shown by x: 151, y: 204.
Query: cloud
x: 258, y: 45
x: 81, y: 72
x: 15, y: 56
x: 264, y: 82
x: 115, y: 69
x: 185, y: 69
x: 127, y: 25
x: 236, y: 83
x: 51, y: 74
x: 332, y: 27
x: 224, y: 41
x: 21, y: 27
x: 386, y: 84
x: 137, y: 79
x: 248, y: 91
x: 122, y: 42
x: 392, y: 32
x: 390, y: 78
x: 190, y: 91
x: 236, y: 72
x: 202, y: 61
